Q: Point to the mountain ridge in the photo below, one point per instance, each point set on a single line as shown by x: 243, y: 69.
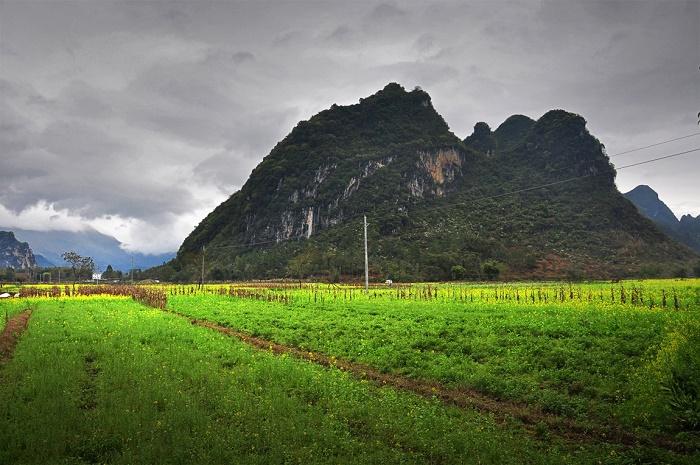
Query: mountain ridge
x: 14, y: 253
x: 104, y: 249
x: 686, y: 230
x: 393, y: 157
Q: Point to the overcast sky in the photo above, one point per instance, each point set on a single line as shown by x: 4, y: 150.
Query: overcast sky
x: 139, y: 118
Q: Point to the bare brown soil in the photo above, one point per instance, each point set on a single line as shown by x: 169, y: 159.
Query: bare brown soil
x: 534, y: 420
x: 11, y: 333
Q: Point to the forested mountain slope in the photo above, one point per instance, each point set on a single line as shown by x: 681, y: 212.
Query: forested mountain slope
x: 435, y: 202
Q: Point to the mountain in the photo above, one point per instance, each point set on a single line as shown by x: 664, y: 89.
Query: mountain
x: 647, y: 201
x: 435, y: 203
x: 15, y: 254
x: 105, y: 250
x: 689, y: 231
x: 42, y: 262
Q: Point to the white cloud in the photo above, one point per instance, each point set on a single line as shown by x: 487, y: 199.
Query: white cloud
x: 42, y: 217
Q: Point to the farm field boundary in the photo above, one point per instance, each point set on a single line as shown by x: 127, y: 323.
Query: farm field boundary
x: 11, y: 333
x: 502, y: 410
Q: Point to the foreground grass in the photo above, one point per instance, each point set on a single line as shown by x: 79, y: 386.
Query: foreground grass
x: 109, y: 381
x: 10, y: 308
x: 587, y: 361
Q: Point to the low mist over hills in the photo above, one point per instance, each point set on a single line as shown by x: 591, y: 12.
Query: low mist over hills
x: 435, y: 203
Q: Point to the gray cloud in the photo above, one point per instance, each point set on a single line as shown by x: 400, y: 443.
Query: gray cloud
x: 141, y: 117
x: 242, y: 57
x: 288, y: 38
x: 425, y: 42
x: 386, y: 11
x: 342, y: 35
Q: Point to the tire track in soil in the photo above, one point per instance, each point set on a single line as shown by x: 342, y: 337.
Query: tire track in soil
x: 88, y: 389
x: 11, y: 333
x: 502, y: 411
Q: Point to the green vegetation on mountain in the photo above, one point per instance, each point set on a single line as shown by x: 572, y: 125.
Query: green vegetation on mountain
x: 435, y: 203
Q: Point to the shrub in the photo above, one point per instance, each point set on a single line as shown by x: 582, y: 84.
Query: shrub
x: 650, y: 271
x: 458, y: 272
x: 680, y: 273
x: 491, y: 269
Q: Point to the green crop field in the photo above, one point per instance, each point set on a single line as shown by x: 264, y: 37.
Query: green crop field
x: 310, y: 373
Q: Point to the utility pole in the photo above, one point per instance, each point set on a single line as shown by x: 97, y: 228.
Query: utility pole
x: 202, y: 282
x: 132, y: 269
x: 366, y: 259
x: 59, y: 275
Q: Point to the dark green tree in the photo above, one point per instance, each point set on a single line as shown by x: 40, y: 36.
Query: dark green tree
x: 301, y: 265
x: 680, y: 273
x: 491, y: 269
x: 217, y: 274
x: 458, y: 272
x: 108, y: 273
x: 80, y: 266
x: 9, y: 275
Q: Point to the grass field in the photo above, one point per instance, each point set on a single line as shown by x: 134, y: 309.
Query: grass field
x: 9, y: 308
x: 105, y: 379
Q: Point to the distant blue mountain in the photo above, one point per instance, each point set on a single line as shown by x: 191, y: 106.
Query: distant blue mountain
x: 105, y: 250
x: 650, y: 205
x: 647, y: 201
x: 42, y: 262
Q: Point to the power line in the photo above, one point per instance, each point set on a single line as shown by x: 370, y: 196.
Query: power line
x: 489, y: 197
x: 366, y: 260
x: 654, y: 145
x: 657, y: 159
x: 203, y: 251
x: 635, y: 150
x: 564, y: 181
x: 275, y: 241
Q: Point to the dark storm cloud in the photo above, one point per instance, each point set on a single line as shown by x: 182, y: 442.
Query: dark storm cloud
x: 141, y: 117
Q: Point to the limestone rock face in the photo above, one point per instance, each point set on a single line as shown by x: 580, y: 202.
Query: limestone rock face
x: 15, y: 254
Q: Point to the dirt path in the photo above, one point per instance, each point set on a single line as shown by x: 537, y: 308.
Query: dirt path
x: 88, y: 388
x: 11, y: 333
x: 533, y: 420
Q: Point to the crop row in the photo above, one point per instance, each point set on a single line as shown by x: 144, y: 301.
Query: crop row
x: 578, y: 358
x: 105, y: 380
x: 153, y: 297
x: 657, y: 295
